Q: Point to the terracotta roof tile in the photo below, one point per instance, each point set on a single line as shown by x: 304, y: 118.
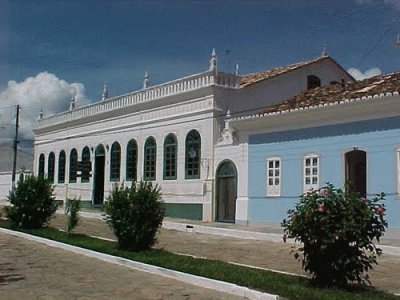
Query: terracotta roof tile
x: 377, y: 85
x: 259, y: 76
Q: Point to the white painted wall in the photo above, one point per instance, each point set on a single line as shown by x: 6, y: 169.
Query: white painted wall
x: 238, y: 154
x: 5, y: 184
x: 179, y: 119
x: 255, y: 97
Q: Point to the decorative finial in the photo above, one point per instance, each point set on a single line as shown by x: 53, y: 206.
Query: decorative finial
x: 324, y: 51
x: 40, y: 114
x: 213, y: 61
x: 146, y: 81
x: 72, y: 103
x: 237, y: 69
x: 397, y: 45
x: 105, y: 93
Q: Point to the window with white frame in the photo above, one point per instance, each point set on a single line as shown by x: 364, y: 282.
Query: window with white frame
x: 273, y: 176
x: 311, y: 172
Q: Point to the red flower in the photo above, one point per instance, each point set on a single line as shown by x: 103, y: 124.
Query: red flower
x: 380, y: 210
x: 324, y: 192
x: 321, y: 208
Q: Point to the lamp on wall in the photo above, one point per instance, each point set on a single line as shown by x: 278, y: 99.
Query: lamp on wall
x: 192, y: 153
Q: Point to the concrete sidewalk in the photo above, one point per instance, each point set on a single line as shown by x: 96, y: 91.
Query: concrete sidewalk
x: 32, y: 270
x: 255, y: 246
x: 390, y: 243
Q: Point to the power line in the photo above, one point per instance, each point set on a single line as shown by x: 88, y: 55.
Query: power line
x: 374, y: 45
x: 7, y: 106
x: 25, y: 152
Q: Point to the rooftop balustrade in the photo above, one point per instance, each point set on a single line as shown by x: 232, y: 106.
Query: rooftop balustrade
x: 172, y: 88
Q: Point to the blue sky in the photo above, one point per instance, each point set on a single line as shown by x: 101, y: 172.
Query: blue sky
x: 88, y: 43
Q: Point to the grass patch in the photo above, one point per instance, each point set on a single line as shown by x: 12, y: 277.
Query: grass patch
x: 287, y: 286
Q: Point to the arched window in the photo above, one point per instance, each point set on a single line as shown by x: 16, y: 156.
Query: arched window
x: 115, y: 166
x: 41, y: 166
x: 356, y: 172
x: 170, y: 150
x: 192, y: 155
x: 313, y: 82
x: 86, y: 164
x: 50, y: 167
x: 131, y: 160
x: 61, y: 167
x: 150, y: 156
x: 73, y: 163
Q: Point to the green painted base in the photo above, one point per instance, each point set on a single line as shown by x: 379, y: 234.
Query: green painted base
x: 184, y: 211
x: 84, y: 204
x: 59, y: 202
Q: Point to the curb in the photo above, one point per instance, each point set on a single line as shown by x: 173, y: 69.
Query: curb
x: 221, y: 286
x: 235, y: 233
x: 228, y: 232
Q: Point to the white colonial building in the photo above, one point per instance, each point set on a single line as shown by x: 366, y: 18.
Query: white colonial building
x: 170, y: 134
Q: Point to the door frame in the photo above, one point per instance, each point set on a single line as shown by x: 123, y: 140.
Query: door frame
x: 348, y: 161
x: 96, y: 183
x: 235, y: 181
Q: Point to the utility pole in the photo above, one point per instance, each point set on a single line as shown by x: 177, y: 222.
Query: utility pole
x: 15, y: 149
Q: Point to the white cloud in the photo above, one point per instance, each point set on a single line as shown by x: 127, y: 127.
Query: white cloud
x: 43, y: 91
x: 358, y: 75
x: 395, y: 4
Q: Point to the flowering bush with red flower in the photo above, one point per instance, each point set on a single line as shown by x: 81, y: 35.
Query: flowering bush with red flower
x: 336, y: 230
x: 135, y: 214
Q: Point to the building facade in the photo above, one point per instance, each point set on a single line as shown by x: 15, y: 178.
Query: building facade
x: 344, y: 134
x: 175, y: 134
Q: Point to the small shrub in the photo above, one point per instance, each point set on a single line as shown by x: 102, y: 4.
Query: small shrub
x: 135, y: 214
x: 73, y: 207
x: 337, y: 231
x: 32, y: 203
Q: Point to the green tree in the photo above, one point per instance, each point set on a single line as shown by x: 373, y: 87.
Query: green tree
x: 135, y: 214
x: 73, y: 207
x: 32, y: 203
x: 337, y: 230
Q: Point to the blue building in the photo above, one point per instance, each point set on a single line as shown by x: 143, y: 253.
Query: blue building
x: 346, y: 134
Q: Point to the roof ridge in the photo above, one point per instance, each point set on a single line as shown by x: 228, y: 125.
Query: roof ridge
x: 290, y: 65
x: 255, y: 77
x: 315, y: 106
x: 384, y: 84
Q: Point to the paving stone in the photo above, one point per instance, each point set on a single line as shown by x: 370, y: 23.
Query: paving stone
x: 265, y: 254
x: 30, y: 270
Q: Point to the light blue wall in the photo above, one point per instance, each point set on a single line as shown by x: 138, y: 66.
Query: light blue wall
x: 379, y: 138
